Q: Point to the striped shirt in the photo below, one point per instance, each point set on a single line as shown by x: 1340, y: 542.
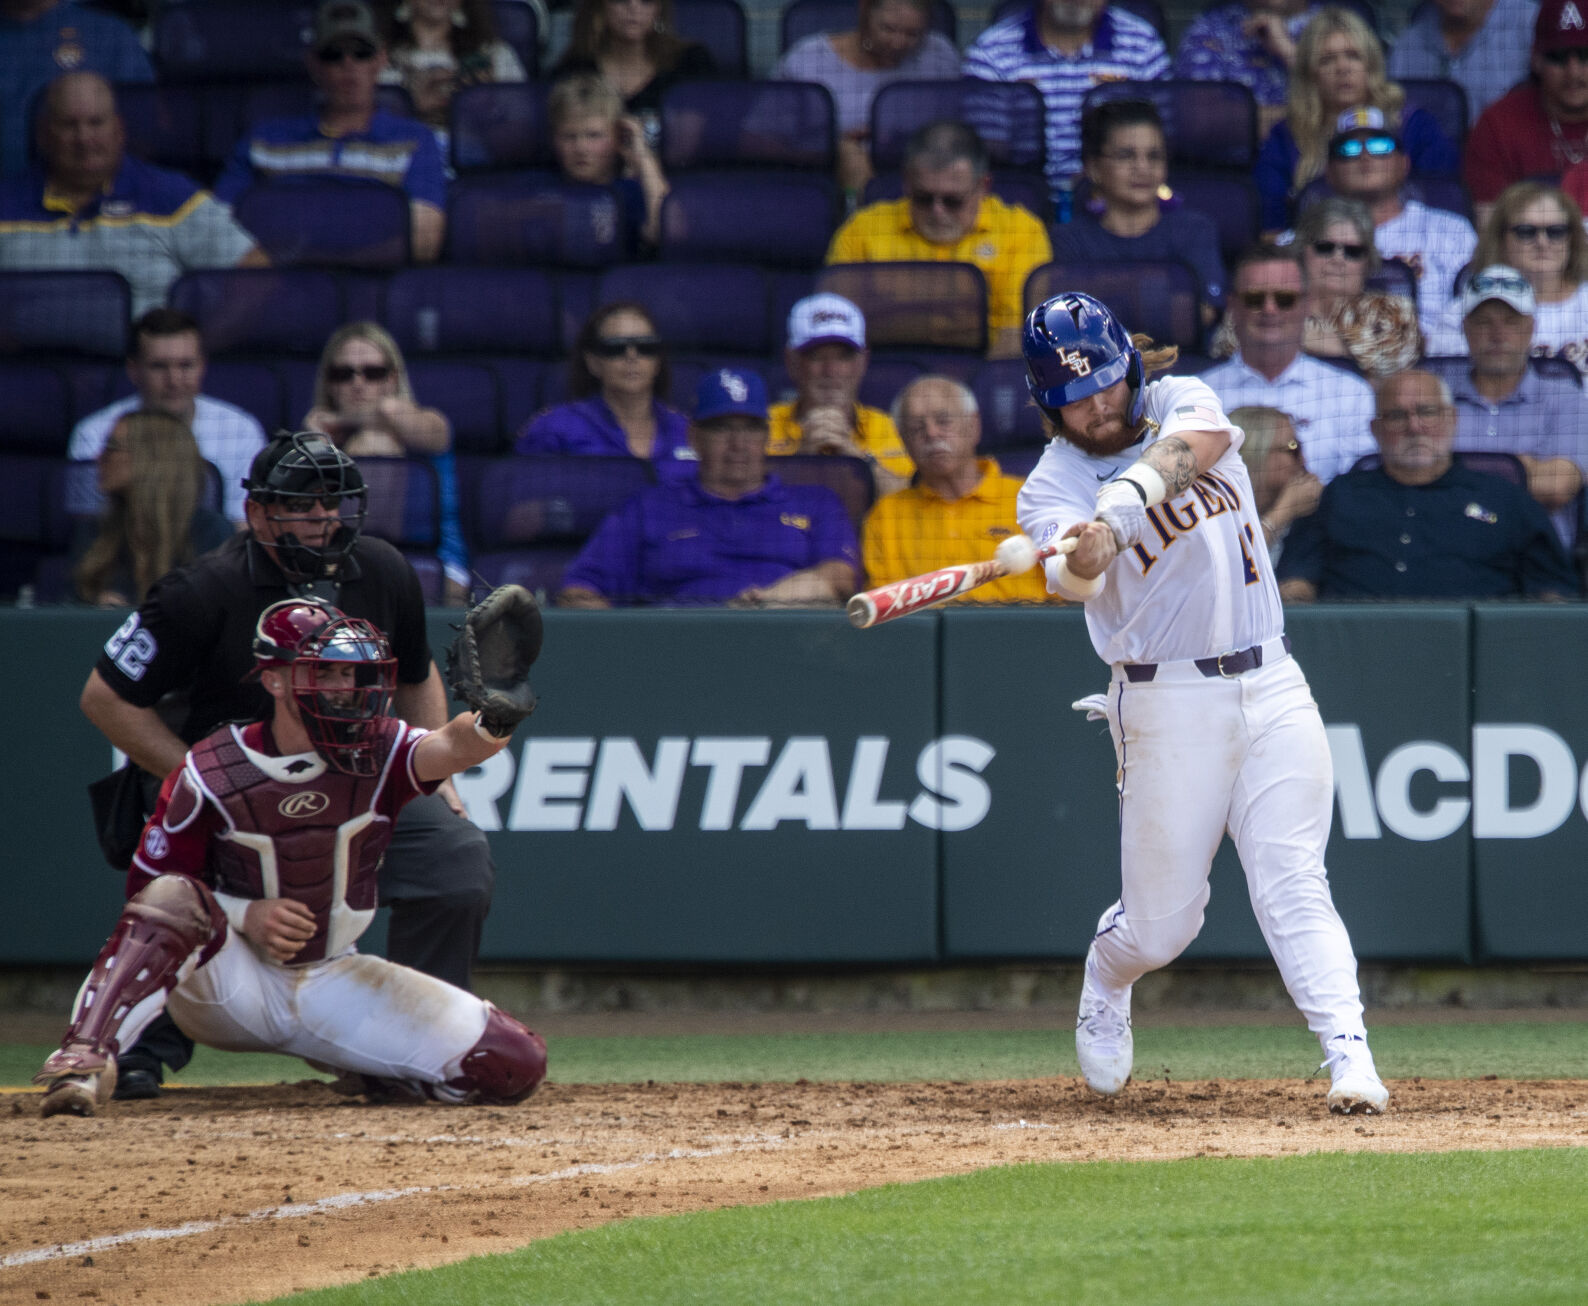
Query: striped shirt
x: 1123, y: 48
x: 226, y: 435
x: 391, y: 150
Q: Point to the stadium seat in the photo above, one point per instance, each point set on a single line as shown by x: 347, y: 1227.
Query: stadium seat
x: 254, y: 387
x: 735, y: 124
x: 699, y: 307
x: 535, y: 217
x: 518, y: 25
x: 466, y: 391
x: 720, y: 26
x: 916, y: 306
x: 236, y: 39
x: 523, y: 385
x: 1009, y: 418
x: 685, y: 371
x: 262, y: 310
x: 1160, y: 298
x: 1008, y: 116
x: 849, y: 478
x: 33, y: 521
x: 166, y: 125
x: 771, y: 218
x: 1230, y: 200
x: 1394, y: 277
x: 297, y: 97
x: 84, y: 313
x: 453, y: 310
x: 1206, y: 124
x: 500, y: 125
x: 35, y: 408
x: 404, y: 501
x: 805, y: 18
x: 327, y: 221
x: 1445, y: 101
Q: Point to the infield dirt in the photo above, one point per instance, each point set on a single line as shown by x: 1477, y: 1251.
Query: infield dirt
x: 242, y: 1194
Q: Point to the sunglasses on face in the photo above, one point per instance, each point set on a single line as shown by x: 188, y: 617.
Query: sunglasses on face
x: 1353, y: 147
x: 342, y: 373
x: 617, y: 346
x: 1560, y: 58
x: 338, y: 53
x: 931, y: 199
x: 1328, y: 248
x: 1283, y: 299
x: 1551, y: 231
x: 303, y: 505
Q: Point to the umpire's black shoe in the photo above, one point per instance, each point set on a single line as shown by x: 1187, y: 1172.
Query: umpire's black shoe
x: 136, y: 1084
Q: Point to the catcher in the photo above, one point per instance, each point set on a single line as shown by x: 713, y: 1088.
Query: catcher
x: 256, y: 875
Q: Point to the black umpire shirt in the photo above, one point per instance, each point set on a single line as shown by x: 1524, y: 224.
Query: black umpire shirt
x: 194, y: 633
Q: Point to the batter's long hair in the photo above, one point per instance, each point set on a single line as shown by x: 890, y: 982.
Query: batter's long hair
x: 1309, y: 123
x: 150, y: 523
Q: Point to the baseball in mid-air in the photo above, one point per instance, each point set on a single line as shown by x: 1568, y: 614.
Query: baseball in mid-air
x: 1016, y: 554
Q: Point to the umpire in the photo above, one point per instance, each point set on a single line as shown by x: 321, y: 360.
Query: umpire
x: 181, y: 659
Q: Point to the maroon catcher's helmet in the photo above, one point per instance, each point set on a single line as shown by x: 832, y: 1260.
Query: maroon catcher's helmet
x: 314, y: 643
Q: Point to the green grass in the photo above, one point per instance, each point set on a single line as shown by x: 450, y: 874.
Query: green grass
x: 1512, y: 1051
x: 1326, y: 1230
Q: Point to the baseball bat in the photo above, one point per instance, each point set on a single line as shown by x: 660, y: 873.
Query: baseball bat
x: 930, y: 589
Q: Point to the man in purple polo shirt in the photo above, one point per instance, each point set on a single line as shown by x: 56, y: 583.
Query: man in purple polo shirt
x: 733, y: 535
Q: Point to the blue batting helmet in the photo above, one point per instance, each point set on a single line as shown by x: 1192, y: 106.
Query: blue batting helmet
x: 1075, y: 347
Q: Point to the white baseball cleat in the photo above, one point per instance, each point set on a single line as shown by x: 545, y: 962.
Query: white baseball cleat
x: 1103, y: 1041
x: 1355, y: 1088
x: 77, y: 1081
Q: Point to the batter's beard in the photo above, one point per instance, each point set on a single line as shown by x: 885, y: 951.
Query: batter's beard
x: 1100, y: 446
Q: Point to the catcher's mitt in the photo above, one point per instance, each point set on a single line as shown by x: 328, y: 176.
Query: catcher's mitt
x: 488, y: 663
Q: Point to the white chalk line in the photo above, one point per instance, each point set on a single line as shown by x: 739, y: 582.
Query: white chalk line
x: 345, y: 1201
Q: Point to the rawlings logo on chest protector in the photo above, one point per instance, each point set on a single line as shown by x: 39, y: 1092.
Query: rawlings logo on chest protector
x: 311, y: 803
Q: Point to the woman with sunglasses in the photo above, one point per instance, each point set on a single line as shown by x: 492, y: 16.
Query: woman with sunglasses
x: 1538, y: 230
x: 616, y: 373
x: 1377, y: 331
x: 1339, y: 66
x: 1282, y: 487
x: 633, y: 45
x: 153, y: 477
x: 365, y: 403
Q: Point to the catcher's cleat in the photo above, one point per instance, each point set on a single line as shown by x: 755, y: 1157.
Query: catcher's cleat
x: 376, y: 1089
x: 78, y: 1082
x: 1354, y: 1088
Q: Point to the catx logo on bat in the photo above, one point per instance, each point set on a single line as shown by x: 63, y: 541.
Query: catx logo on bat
x: 1076, y: 361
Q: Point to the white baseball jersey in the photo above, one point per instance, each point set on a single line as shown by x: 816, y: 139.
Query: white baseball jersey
x: 1200, y: 582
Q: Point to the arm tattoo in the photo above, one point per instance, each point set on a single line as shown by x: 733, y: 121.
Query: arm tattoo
x: 1173, y: 460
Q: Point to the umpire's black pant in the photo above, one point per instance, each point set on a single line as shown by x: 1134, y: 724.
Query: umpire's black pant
x: 437, y: 879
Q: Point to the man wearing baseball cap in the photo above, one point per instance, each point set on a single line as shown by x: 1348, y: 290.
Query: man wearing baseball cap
x: 1368, y: 162
x: 1539, y: 128
x: 1504, y: 404
x: 349, y: 137
x: 734, y: 534
x: 826, y: 357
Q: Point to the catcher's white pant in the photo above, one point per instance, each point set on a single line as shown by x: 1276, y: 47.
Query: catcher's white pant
x: 352, y: 1012
x: 1249, y: 754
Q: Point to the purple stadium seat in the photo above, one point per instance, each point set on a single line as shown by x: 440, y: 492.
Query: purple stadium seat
x: 239, y: 39
x: 166, y: 125
x: 521, y: 383
x: 1013, y: 186
x: 1229, y: 199
x: 441, y: 310
x: 1160, y: 298
x: 500, y: 125
x: 1394, y: 277
x: 262, y: 310
x: 253, y: 387
x: 848, y: 478
x: 685, y: 371
x: 1018, y: 461
x: 518, y: 26
x: 466, y: 392
x: 432, y: 576
x: 65, y: 312
x: 1445, y: 100
x: 701, y: 308
x: 536, y: 217
x: 916, y: 306
x: 1208, y: 124
x: 335, y: 222
x: 1008, y: 116
x: 805, y: 18
x: 765, y: 217
x: 404, y: 501
x: 1009, y: 419
x: 35, y: 408
x: 33, y: 521
x: 730, y: 124
x: 719, y: 25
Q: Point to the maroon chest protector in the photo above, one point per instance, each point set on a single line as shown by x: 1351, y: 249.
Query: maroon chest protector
x: 317, y: 841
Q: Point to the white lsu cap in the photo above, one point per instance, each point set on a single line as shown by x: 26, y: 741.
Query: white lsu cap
x: 826, y: 319
x: 1499, y: 282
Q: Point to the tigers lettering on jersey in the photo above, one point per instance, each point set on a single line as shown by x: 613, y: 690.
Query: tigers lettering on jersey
x: 1177, y: 517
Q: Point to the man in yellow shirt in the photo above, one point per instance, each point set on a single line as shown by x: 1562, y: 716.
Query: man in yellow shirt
x: 948, y: 215
x: 826, y: 357
x: 960, y: 507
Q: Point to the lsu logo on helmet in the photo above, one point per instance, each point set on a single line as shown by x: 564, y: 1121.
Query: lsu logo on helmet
x: 1076, y: 361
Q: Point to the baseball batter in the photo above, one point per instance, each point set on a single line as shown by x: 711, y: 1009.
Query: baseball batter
x: 1214, y: 726
x: 256, y: 875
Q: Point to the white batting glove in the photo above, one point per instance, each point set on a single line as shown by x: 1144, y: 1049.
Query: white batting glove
x: 1120, y: 507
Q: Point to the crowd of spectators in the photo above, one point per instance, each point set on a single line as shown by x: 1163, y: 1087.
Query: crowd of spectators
x: 1403, y: 320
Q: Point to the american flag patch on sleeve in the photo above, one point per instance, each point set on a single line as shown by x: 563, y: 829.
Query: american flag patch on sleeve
x: 1199, y: 413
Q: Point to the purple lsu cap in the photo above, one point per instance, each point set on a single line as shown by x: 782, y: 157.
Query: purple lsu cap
x: 730, y: 392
